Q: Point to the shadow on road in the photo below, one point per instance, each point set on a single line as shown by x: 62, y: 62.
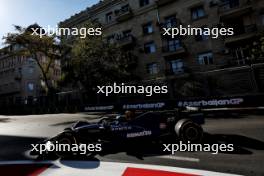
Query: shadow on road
x: 81, y: 163
x: 242, y: 146
x: 5, y: 120
x: 14, y: 147
x: 241, y: 143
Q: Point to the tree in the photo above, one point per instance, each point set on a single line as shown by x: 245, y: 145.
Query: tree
x: 257, y: 47
x: 95, y: 62
x: 32, y: 45
x: 190, y: 86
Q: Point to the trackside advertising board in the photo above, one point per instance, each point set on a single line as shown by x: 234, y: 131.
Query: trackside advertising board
x: 207, y: 102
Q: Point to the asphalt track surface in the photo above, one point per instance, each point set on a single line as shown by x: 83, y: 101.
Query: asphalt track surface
x: 246, y: 132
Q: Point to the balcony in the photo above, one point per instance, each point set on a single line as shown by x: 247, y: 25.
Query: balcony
x: 172, y: 50
x: 170, y: 24
x: 10, y: 89
x: 234, y: 8
x: 245, y: 32
x: 171, y: 72
x: 126, y: 40
x: 124, y: 14
x: 18, y: 76
x: 163, y: 2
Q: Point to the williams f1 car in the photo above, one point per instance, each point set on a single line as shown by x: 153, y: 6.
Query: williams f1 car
x: 144, y: 127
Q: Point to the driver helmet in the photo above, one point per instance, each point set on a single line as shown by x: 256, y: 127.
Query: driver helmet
x: 129, y: 115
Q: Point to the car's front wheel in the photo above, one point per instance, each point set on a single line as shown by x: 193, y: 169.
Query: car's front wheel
x: 188, y: 131
x: 68, y: 140
x: 65, y: 141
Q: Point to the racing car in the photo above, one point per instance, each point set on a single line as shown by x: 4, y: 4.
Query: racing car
x: 122, y: 129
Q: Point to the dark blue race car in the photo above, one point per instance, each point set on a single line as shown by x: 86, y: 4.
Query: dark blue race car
x: 111, y: 132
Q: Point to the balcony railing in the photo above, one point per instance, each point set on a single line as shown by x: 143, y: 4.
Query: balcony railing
x: 126, y: 40
x: 18, y: 76
x: 231, y: 5
x: 171, y: 24
x: 245, y: 32
x: 124, y: 14
x: 250, y: 28
x: 227, y: 5
x: 171, y: 72
x: 173, y: 49
x: 10, y: 89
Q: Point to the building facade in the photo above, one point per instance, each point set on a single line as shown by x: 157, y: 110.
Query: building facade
x: 138, y: 24
x: 20, y: 78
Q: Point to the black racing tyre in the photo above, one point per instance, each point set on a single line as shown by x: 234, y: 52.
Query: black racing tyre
x: 67, y: 130
x: 188, y: 131
x: 69, y: 139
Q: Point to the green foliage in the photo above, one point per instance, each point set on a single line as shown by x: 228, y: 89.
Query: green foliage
x: 33, y: 46
x: 257, y: 47
x: 96, y: 62
x: 190, y: 86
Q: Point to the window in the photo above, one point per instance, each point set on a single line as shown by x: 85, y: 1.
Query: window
x: 173, y: 44
x: 201, y: 37
x: 110, y: 39
x: 20, y: 70
x: 170, y: 21
x: 176, y: 66
x: 109, y: 17
x: 57, y: 62
x: 262, y: 19
x: 143, y: 3
x: 147, y: 28
x: 30, y: 87
x: 229, y: 4
x: 30, y: 70
x: 205, y: 58
x: 197, y: 12
x: 234, y: 3
x: 153, y: 68
x: 31, y: 61
x: 240, y: 54
x: 125, y: 8
x: 127, y: 33
x: 150, y: 48
x: 17, y: 47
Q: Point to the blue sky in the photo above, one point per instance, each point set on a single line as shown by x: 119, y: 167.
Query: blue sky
x: 43, y: 12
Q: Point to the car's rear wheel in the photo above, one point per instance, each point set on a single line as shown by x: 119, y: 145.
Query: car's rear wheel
x: 188, y: 131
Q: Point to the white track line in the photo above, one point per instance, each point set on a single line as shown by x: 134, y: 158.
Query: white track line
x: 180, y: 158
